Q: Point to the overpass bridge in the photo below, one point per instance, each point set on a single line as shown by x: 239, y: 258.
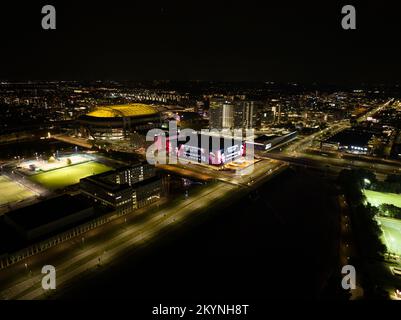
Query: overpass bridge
x: 71, y: 140
x: 335, y: 165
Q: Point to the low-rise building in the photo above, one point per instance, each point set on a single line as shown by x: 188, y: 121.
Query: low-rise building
x: 49, y: 216
x: 125, y: 189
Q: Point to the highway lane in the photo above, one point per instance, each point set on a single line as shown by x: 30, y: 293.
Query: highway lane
x: 185, y: 172
x: 351, y: 156
x: 22, y: 282
x: 323, y: 162
x: 241, y: 178
x: 77, y: 261
x: 347, y: 249
x: 332, y: 129
x: 85, y: 143
x: 374, y: 111
x: 108, y: 249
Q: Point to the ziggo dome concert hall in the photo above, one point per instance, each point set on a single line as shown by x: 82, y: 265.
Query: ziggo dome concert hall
x: 118, y: 121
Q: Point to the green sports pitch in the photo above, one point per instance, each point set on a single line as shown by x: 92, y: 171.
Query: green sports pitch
x: 377, y: 198
x: 12, y: 191
x: 391, y: 227
x: 61, y: 178
x: 391, y: 234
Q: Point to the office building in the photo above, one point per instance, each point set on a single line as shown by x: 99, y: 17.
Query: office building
x: 125, y: 189
x: 238, y: 114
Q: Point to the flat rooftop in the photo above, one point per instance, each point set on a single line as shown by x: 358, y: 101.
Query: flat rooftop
x: 105, y: 181
x: 266, y: 138
x: 48, y: 211
x: 350, y: 137
x: 146, y: 182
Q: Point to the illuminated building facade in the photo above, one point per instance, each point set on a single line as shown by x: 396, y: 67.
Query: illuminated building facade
x: 202, y: 147
x: 124, y: 189
x: 221, y: 114
x: 224, y: 114
x: 118, y: 121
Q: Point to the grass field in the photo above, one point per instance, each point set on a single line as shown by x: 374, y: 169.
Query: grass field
x: 391, y: 234
x: 67, y: 176
x: 391, y: 227
x: 61, y: 162
x: 377, y: 198
x: 12, y: 191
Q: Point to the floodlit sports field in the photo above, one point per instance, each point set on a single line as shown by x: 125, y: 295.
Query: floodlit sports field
x: 391, y: 234
x: 12, y: 191
x: 391, y: 227
x: 67, y: 176
x: 61, y: 162
x: 377, y: 198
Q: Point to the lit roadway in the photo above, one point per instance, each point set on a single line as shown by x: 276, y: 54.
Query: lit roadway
x: 108, y: 243
x: 335, y: 163
x: 334, y: 128
x: 85, y: 143
x: 260, y: 170
x: 347, y: 250
x: 374, y: 111
x: 298, y: 154
x: 110, y: 246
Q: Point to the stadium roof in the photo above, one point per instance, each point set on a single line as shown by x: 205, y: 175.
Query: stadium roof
x: 124, y: 110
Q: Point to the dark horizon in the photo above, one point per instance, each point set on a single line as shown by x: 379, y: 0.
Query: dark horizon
x: 286, y: 42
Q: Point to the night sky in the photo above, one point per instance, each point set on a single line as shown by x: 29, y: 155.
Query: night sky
x: 200, y: 40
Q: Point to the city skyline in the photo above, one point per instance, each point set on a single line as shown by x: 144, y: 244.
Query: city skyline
x: 118, y: 152
x: 220, y: 156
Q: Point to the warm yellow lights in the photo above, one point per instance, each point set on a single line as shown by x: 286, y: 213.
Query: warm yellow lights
x: 124, y: 110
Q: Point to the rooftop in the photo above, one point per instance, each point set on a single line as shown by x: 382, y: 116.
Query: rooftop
x: 350, y: 137
x: 105, y: 181
x: 48, y: 211
x: 123, y: 110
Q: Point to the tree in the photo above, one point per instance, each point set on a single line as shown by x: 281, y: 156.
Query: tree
x: 390, y: 210
x: 363, y: 216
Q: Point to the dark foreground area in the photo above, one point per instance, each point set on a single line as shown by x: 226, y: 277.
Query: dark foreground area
x: 280, y: 242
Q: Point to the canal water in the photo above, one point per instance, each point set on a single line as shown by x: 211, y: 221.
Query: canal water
x: 280, y: 242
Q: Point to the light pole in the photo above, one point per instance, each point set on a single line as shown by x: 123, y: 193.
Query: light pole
x: 26, y: 269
